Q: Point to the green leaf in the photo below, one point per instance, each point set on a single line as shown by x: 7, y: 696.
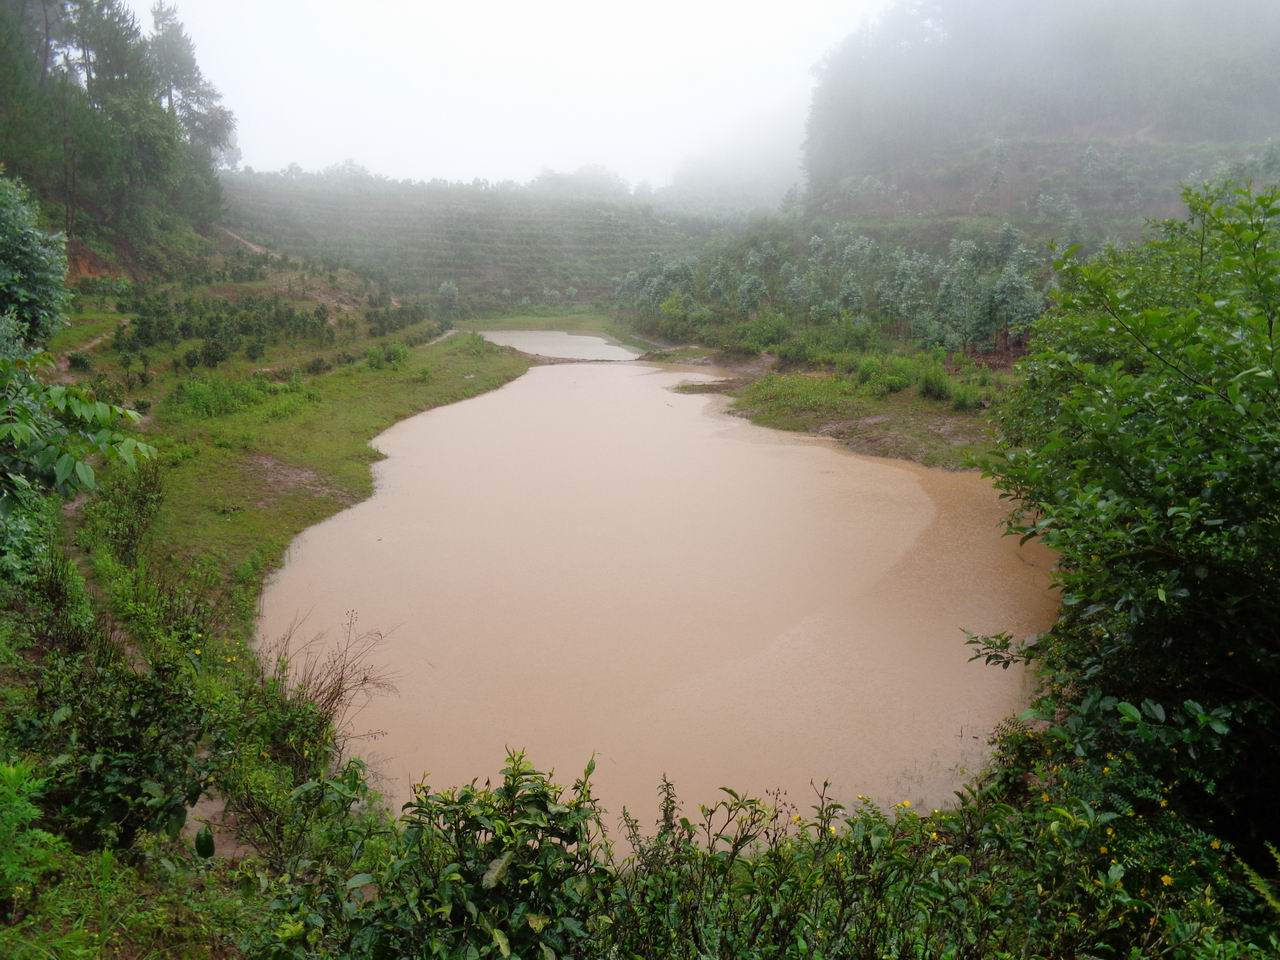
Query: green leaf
x: 85, y: 473
x: 1129, y: 712
x: 536, y: 922
x: 500, y: 938
x: 204, y: 842
x: 497, y: 870
x: 66, y: 463
x: 360, y: 880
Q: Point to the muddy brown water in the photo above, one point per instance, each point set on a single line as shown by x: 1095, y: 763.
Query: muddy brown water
x: 586, y: 562
x: 556, y: 343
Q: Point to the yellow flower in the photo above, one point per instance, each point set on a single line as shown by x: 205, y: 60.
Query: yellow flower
x: 1044, y: 797
x: 1106, y: 770
x: 904, y: 804
x: 196, y: 651
x: 1163, y: 802
x: 795, y: 818
x: 1216, y: 844
x: 1111, y: 831
x: 1167, y: 880
x: 933, y: 835
x: 832, y: 828
x: 1102, y: 849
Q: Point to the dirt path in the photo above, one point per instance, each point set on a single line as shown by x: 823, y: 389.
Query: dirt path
x: 248, y: 243
x: 64, y: 359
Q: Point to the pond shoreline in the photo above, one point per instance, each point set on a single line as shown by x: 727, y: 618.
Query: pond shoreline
x: 504, y: 458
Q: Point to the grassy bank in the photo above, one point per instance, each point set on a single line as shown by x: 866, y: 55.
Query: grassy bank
x: 241, y: 485
x: 126, y: 651
x: 905, y: 406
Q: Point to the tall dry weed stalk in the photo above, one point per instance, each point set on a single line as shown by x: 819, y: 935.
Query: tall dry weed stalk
x: 338, y: 684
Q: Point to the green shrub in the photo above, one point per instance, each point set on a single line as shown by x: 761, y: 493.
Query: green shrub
x: 869, y: 367
x: 388, y: 355
x: 396, y: 354
x: 794, y: 351
x: 219, y: 397
x: 79, y: 362
x: 122, y: 513
x: 515, y: 870
x: 27, y: 852
x: 903, y: 370
x: 125, y: 743
x: 1141, y: 446
x: 965, y: 397
x: 63, y: 618
x: 935, y: 383
x: 25, y: 535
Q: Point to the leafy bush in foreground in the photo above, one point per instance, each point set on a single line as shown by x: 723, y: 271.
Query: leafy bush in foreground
x: 1142, y: 446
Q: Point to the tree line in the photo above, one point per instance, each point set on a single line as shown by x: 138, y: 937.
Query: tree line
x: 771, y: 289
x: 116, y: 131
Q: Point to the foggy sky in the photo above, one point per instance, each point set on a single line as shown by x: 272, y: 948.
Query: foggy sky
x: 504, y: 89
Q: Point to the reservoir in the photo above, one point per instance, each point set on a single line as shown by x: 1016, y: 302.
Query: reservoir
x: 587, y: 562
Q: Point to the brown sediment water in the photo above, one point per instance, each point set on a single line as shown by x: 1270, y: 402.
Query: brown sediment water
x: 586, y: 562
x: 556, y: 343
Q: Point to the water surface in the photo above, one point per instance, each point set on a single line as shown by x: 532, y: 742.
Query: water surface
x: 555, y: 343
x: 585, y: 561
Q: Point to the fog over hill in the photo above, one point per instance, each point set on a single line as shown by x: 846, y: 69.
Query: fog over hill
x: 501, y: 92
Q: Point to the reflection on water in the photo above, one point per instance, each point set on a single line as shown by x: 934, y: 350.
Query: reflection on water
x: 554, y: 343
x: 587, y: 562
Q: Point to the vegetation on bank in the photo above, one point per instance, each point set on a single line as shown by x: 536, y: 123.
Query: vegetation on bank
x: 1117, y: 821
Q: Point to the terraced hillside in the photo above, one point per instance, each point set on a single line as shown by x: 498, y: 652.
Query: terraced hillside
x: 500, y: 244
x: 1087, y: 191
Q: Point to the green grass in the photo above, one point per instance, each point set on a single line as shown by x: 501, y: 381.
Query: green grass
x: 241, y: 486
x: 683, y: 354
x: 903, y: 425
x: 84, y: 328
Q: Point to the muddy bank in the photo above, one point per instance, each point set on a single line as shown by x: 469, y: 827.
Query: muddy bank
x: 586, y: 561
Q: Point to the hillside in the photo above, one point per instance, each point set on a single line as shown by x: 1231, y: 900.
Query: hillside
x: 1079, y: 120
x: 502, y: 245
x: 115, y: 131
